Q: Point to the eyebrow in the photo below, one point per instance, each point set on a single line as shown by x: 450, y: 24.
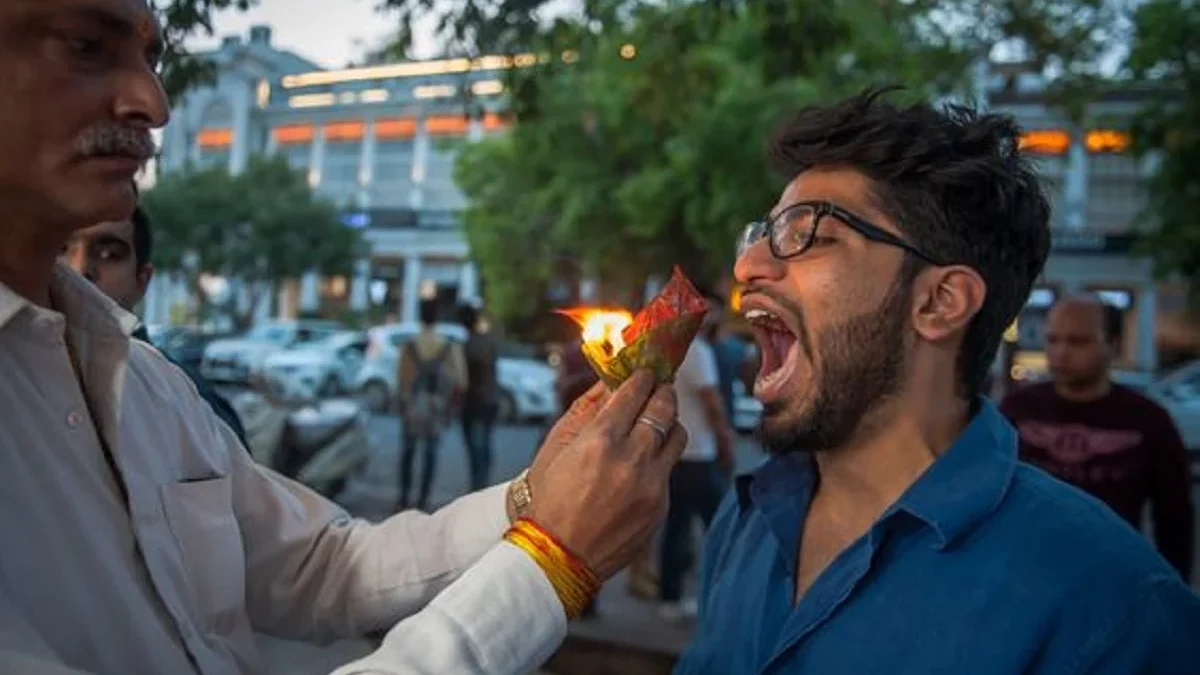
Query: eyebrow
x: 117, y: 24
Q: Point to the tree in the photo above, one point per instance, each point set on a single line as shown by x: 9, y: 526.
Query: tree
x: 1166, y: 54
x: 260, y: 227
x: 181, y: 19
x: 645, y: 148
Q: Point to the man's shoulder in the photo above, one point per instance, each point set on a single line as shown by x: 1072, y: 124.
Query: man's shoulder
x: 1135, y: 401
x: 1060, y: 536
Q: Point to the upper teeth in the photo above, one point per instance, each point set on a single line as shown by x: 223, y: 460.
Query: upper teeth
x: 759, y: 315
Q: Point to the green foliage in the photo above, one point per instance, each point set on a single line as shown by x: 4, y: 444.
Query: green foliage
x: 260, y: 226
x: 632, y: 163
x: 1166, y: 54
x: 182, y: 19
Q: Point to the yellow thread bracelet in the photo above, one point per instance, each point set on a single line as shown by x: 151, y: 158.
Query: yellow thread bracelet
x: 574, y: 583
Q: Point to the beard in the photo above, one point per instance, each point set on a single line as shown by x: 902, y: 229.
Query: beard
x: 859, y: 366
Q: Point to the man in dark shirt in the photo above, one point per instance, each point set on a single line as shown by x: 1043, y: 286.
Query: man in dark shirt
x: 116, y: 257
x: 1104, y: 438
x: 481, y: 400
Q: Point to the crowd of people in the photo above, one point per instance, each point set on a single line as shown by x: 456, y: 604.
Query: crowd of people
x: 893, y: 527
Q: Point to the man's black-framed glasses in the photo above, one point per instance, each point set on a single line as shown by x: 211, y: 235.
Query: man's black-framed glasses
x: 794, y: 229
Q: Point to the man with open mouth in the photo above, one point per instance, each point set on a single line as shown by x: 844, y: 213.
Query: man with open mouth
x: 893, y: 529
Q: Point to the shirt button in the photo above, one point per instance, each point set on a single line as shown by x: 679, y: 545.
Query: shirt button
x: 74, y: 419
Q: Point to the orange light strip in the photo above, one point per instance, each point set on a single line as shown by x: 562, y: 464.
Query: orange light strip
x: 493, y: 122
x: 397, y: 128
x: 446, y: 125
x: 214, y: 138
x: 345, y: 131
x: 295, y: 133
x: 1107, y: 140
x: 1046, y: 141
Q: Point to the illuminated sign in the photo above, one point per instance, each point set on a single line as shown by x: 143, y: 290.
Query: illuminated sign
x: 1057, y: 141
x: 398, y: 128
x: 446, y: 125
x: 1107, y: 140
x: 344, y: 131
x: 1045, y: 141
x: 440, y: 67
x: 295, y: 133
x: 214, y: 138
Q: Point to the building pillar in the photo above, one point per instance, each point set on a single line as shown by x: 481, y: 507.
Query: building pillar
x: 239, y: 150
x: 316, y: 157
x: 360, y: 291
x: 288, y: 299
x: 468, y: 283
x: 475, y: 129
x: 1075, y: 182
x: 1146, y: 309
x: 410, y: 300
x: 310, y: 292
x: 420, y: 165
x: 366, y: 165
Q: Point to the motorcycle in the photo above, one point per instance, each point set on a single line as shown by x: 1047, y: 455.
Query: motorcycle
x: 320, y: 443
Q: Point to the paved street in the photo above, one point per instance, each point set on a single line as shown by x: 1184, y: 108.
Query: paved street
x: 373, y: 495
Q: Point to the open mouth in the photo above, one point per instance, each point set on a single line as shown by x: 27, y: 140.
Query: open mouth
x: 779, y: 350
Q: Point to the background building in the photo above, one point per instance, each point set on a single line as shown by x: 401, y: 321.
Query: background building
x: 380, y: 142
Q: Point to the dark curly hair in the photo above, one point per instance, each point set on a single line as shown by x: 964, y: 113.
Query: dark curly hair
x: 953, y: 181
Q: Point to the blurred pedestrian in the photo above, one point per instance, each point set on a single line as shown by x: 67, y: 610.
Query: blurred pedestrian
x: 1102, y: 437
x: 481, y: 400
x: 699, y: 481
x: 431, y: 380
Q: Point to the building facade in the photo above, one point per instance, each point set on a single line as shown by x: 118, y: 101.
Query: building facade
x: 1098, y: 194
x: 377, y: 141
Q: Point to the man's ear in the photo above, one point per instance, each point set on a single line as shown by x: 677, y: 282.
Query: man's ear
x: 144, y: 275
x: 947, y: 299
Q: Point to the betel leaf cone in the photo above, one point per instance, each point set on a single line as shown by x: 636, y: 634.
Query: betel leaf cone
x: 659, y: 337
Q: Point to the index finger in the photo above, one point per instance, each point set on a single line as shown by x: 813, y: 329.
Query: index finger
x: 627, y: 402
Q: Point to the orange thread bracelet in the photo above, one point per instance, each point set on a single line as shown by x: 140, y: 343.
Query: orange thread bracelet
x: 573, y: 581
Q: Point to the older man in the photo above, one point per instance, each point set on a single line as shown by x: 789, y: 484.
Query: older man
x: 139, y: 538
x: 894, y: 530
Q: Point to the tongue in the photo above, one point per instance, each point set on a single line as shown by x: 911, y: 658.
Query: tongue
x: 773, y: 345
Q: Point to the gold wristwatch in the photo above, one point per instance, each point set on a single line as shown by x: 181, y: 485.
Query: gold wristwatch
x: 519, y: 495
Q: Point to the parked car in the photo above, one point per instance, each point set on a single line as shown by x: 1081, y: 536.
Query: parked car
x: 328, y: 366
x: 1179, y: 393
x: 526, y: 384
x: 236, y: 360
x: 186, y: 346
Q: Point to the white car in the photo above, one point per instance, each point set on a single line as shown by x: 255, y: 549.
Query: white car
x: 328, y: 367
x: 237, y: 359
x: 526, y: 384
x: 1179, y: 393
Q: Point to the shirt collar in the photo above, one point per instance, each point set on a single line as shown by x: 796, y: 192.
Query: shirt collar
x: 955, y: 494
x: 82, y: 304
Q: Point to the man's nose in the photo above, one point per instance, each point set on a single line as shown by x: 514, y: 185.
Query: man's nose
x: 758, y: 263
x: 141, y: 100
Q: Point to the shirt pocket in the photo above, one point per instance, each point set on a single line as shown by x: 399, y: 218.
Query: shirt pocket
x: 202, y: 522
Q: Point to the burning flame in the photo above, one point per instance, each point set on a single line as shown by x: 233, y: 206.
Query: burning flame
x: 602, y: 326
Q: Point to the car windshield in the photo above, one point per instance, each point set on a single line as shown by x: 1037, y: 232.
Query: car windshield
x: 269, y: 334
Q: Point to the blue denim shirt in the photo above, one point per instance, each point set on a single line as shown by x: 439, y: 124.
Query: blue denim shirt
x: 984, y: 566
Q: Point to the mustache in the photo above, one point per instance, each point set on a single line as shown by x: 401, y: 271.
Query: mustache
x: 789, y: 305
x: 110, y: 139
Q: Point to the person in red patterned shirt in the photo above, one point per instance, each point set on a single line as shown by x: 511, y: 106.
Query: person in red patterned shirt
x: 1102, y: 437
